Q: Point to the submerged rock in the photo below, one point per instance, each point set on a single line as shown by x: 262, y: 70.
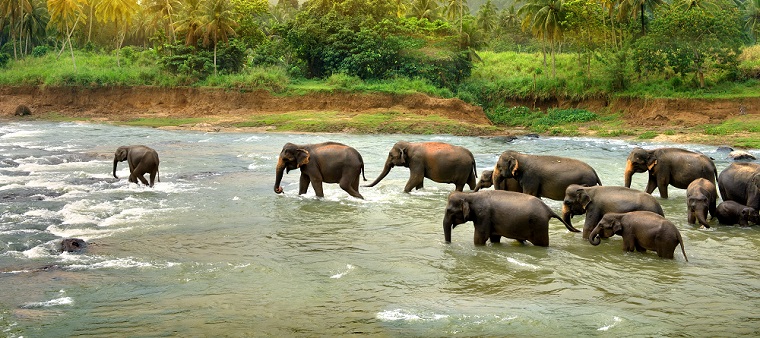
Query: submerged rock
x: 72, y: 245
x: 741, y: 155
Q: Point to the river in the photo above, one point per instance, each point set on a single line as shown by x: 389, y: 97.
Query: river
x: 211, y: 250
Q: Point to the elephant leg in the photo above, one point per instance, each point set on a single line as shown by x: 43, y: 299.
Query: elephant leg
x: 480, y: 237
x: 495, y: 238
x: 152, y: 178
x: 317, y: 184
x: 662, y: 187
x: 303, y: 184
x: 142, y: 179
x: 415, y: 181
x: 651, y: 185
x: 460, y: 187
x: 541, y: 240
x: 349, y: 187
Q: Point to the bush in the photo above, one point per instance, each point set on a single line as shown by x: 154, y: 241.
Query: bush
x: 40, y: 51
x: 4, y: 59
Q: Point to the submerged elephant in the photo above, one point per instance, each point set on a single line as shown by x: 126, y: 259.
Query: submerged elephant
x: 497, y: 213
x: 701, y: 198
x: 641, y: 231
x: 141, y: 160
x: 438, y: 161
x: 597, y: 201
x: 740, y: 182
x: 543, y: 176
x: 730, y: 213
x: 486, y: 181
x: 72, y: 245
x: 328, y: 162
x: 669, y: 166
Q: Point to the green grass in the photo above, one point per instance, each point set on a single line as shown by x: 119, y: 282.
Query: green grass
x: 163, y: 121
x: 647, y: 135
x: 734, y: 126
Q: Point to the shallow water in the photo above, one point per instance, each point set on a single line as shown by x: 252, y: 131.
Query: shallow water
x: 212, y: 250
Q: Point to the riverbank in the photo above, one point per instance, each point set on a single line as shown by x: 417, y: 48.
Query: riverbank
x: 734, y: 122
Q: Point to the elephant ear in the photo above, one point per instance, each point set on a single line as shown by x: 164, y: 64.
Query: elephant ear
x: 617, y: 227
x: 651, y: 164
x: 302, y: 157
x: 584, y: 198
x: 514, y: 169
x: 404, y: 156
x: 465, y: 210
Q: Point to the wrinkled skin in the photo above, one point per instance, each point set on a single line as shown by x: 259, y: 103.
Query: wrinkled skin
x: 486, y: 181
x: 669, y: 166
x: 328, y: 162
x: 730, y: 213
x: 440, y: 162
x: 740, y: 182
x: 597, y: 201
x: 497, y: 213
x: 141, y: 160
x: 543, y: 176
x: 641, y: 231
x: 701, y: 198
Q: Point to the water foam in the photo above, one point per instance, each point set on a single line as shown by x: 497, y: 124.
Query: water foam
x: 53, y: 302
x: 615, y: 319
x: 349, y: 267
x: 403, y: 315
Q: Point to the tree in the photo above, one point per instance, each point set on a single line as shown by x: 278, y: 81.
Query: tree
x: 34, y: 24
x: 544, y: 18
x: 751, y: 15
x: 425, y: 9
x: 163, y: 13
x: 119, y: 12
x: 190, y: 21
x: 634, y: 8
x: 455, y: 11
x: 66, y: 15
x: 219, y: 23
x: 487, y: 17
x: 13, y: 12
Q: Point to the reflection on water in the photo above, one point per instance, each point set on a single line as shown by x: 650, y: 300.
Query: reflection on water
x: 212, y: 250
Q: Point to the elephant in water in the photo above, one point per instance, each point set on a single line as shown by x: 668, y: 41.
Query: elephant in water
x: 669, y: 166
x: 701, y: 198
x: 740, y: 182
x: 141, y: 160
x: 486, y: 181
x: 641, y: 231
x: 440, y: 162
x: 328, y: 162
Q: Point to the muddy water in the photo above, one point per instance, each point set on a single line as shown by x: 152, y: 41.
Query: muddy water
x: 211, y: 250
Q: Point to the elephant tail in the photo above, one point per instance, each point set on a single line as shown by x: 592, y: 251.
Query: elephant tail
x: 680, y: 241
x: 474, y: 169
x: 364, y: 177
x: 567, y: 225
x: 158, y: 176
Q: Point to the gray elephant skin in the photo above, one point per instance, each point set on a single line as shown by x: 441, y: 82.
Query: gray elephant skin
x: 740, y: 182
x: 141, y: 160
x: 730, y: 213
x: 668, y: 166
x: 328, y: 162
x: 701, y: 198
x: 497, y: 213
x: 486, y: 181
x: 542, y: 175
x: 641, y: 231
x: 438, y: 161
x: 597, y: 201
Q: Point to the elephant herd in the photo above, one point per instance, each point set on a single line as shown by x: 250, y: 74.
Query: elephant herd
x: 514, y: 208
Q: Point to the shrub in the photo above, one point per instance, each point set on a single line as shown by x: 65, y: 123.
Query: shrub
x: 40, y: 51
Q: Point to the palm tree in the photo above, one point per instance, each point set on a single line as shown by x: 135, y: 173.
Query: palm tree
x: 219, y: 23
x: 487, y: 16
x: 65, y: 15
x: 427, y: 9
x: 634, y: 8
x: 544, y: 18
x: 190, y: 21
x: 163, y: 12
x: 752, y: 17
x: 708, y: 5
x: 455, y: 11
x: 120, y: 12
x: 13, y: 12
x: 34, y: 23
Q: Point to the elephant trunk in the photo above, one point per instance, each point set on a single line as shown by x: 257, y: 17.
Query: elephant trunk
x: 567, y: 215
x: 594, y: 238
x: 628, y: 173
x: 115, y: 162
x: 702, y: 217
x: 447, y: 226
x: 280, y: 169
x: 386, y: 169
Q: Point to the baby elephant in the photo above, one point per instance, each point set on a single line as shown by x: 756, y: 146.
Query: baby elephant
x: 141, y: 159
x: 486, y: 181
x: 730, y: 213
x: 641, y: 231
x: 497, y: 213
x: 701, y: 196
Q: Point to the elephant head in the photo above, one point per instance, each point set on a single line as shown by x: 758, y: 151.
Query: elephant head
x: 749, y: 215
x: 291, y: 157
x: 698, y: 205
x: 457, y: 212
x: 397, y: 156
x: 609, y: 226
x: 639, y: 161
x: 575, y: 203
x: 506, y: 167
x: 486, y: 180
x: 119, y: 156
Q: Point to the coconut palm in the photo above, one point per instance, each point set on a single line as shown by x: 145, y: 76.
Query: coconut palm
x: 219, y: 23
x: 163, y: 13
x: 455, y: 11
x: 544, y: 19
x: 752, y: 17
x: 634, y: 8
x: 33, y: 25
x: 13, y: 12
x: 65, y: 15
x: 119, y: 12
x: 425, y: 9
x: 190, y: 21
x: 487, y: 16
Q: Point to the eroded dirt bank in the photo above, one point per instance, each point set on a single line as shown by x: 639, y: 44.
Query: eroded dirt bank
x: 127, y: 103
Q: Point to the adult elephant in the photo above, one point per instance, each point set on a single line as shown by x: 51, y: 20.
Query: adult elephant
x: 328, y: 162
x: 669, y: 166
x: 543, y: 175
x: 486, y: 181
x: 141, y: 160
x: 740, y: 182
x: 497, y: 213
x: 438, y: 161
x: 597, y: 201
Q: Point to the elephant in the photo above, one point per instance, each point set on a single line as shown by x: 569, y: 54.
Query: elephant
x: 701, y: 197
x: 141, y: 160
x: 497, y: 213
x: 730, y: 213
x: 641, y: 231
x: 72, y: 245
x: 669, y: 166
x: 542, y: 175
x: 438, y: 161
x: 740, y: 182
x: 486, y: 181
x: 597, y: 201
x: 328, y: 162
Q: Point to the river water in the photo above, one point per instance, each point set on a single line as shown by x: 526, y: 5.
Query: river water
x: 211, y: 250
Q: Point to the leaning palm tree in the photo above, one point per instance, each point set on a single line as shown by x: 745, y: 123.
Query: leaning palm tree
x: 544, y: 19
x: 219, y: 23
x: 120, y: 12
x: 65, y: 15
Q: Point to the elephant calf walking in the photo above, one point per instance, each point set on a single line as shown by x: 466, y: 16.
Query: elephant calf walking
x: 641, y: 231
x: 328, y: 162
x: 141, y: 160
x: 498, y: 213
